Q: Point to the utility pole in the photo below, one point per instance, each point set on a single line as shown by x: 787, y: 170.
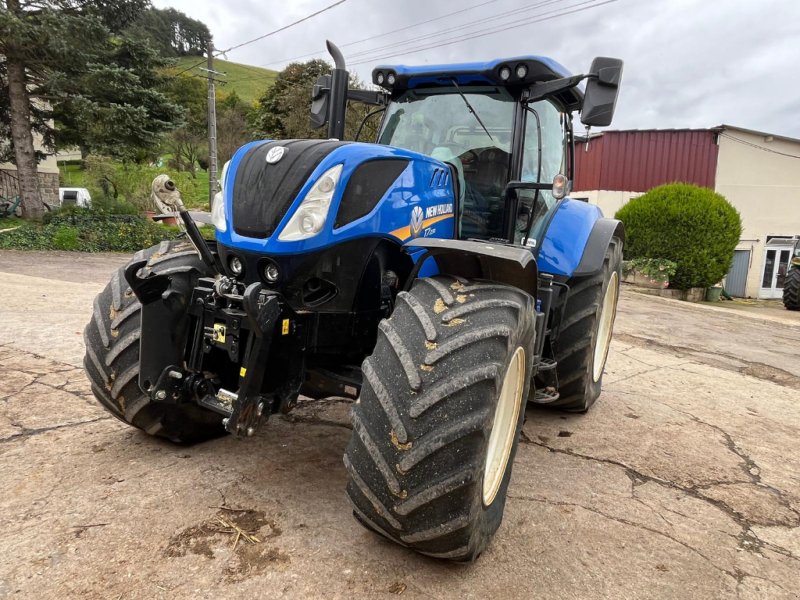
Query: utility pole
x: 212, y: 127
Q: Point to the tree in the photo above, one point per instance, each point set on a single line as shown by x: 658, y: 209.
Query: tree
x: 188, y: 142
x: 171, y: 32
x: 232, y: 126
x: 692, y: 226
x: 116, y: 108
x: 283, y: 110
x: 66, y: 58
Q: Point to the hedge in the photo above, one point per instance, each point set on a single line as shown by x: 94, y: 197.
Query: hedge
x: 86, y: 231
x: 692, y: 226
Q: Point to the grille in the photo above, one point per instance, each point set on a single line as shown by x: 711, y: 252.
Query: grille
x: 263, y: 192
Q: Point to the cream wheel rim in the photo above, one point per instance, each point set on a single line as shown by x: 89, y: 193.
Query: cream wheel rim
x: 501, y: 440
x: 605, y: 326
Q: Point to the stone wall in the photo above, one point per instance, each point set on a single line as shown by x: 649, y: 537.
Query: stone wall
x: 48, y: 186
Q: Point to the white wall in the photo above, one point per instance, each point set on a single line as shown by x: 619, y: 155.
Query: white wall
x: 609, y: 201
x: 764, y: 186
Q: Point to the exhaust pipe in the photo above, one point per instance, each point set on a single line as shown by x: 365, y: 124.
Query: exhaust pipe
x: 340, y: 79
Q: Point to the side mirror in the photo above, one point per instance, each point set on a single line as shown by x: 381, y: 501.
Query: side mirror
x: 320, y: 96
x: 602, y: 89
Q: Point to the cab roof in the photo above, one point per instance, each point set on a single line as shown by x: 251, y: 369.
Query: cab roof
x: 503, y: 72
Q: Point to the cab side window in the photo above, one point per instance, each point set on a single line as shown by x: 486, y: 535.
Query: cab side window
x: 553, y: 161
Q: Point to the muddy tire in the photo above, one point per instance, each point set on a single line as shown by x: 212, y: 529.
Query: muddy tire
x: 112, y: 351
x: 436, y: 427
x: 585, y: 333
x: 791, y: 289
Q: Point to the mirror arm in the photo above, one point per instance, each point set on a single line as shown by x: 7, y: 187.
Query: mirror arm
x: 368, y: 97
x: 542, y: 90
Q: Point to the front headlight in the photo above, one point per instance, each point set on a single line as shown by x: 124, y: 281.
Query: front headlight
x: 309, y: 218
x: 218, y: 206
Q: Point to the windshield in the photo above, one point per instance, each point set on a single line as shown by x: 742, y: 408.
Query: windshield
x: 473, y: 133
x: 426, y: 120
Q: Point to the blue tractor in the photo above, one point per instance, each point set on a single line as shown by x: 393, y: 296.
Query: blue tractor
x: 439, y: 277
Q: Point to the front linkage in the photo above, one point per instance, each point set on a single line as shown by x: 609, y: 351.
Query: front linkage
x: 251, y: 327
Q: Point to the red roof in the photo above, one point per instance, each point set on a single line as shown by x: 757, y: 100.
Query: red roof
x: 637, y: 160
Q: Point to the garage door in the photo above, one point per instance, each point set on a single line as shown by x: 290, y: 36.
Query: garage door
x: 736, y: 281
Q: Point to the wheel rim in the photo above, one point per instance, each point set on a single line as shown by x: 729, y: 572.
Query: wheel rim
x: 604, y: 328
x: 501, y: 440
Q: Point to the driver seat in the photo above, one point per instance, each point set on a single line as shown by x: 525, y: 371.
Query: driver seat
x: 446, y: 155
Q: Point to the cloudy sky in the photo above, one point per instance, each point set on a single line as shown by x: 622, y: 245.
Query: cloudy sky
x: 688, y: 63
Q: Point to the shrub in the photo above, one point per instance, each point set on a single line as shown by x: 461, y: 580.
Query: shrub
x: 89, y: 231
x: 692, y: 226
x: 66, y: 238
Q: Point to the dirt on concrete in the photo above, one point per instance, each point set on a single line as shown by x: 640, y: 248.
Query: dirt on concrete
x: 682, y: 481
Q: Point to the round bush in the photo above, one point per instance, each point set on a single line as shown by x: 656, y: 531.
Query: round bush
x: 693, y: 226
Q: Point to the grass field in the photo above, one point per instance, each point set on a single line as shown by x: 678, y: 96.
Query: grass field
x: 249, y: 82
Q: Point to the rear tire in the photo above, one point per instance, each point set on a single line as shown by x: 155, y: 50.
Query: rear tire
x: 437, y: 423
x: 112, y: 351
x: 791, y: 289
x: 585, y: 333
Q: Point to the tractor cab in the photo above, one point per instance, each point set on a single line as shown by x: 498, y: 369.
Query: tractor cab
x: 504, y: 127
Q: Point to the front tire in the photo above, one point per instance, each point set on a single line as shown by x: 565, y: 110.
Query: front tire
x: 585, y: 333
x: 791, y: 289
x: 112, y: 351
x: 437, y: 423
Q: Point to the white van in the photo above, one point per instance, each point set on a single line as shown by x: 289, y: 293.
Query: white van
x: 77, y: 196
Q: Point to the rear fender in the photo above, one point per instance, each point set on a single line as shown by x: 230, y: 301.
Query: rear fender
x: 576, y: 239
x: 594, y: 253
x: 514, y: 266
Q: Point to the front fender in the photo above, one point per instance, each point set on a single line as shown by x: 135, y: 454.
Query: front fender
x: 514, y: 266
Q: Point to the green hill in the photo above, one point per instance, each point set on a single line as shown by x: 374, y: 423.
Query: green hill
x: 249, y: 82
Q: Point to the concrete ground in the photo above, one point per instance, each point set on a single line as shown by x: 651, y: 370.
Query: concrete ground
x: 682, y: 481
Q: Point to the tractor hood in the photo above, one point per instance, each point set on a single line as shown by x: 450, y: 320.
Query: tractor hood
x: 285, y: 197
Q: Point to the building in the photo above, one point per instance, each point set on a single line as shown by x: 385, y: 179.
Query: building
x: 759, y: 173
x: 48, y: 177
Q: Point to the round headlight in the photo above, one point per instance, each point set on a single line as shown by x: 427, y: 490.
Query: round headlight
x: 380, y: 78
x: 309, y: 223
x: 325, y: 184
x: 505, y: 73
x: 271, y: 272
x: 522, y: 71
x: 390, y: 79
x: 236, y: 266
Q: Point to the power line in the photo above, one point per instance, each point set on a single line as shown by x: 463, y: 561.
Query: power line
x: 479, y: 34
x: 764, y: 148
x: 266, y: 35
x: 460, y: 27
x: 382, y: 34
x: 284, y: 28
x: 495, y: 28
x: 561, y: 11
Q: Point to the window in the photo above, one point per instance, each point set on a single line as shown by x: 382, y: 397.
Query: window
x: 438, y: 122
x: 550, y: 123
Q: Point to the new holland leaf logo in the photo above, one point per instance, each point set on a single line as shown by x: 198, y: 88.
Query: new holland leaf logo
x: 275, y: 153
x: 416, y: 221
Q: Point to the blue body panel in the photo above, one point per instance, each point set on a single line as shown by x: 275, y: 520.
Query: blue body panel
x: 425, y: 183
x: 565, y: 238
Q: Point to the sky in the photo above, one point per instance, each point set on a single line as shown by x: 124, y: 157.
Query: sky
x: 688, y: 63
